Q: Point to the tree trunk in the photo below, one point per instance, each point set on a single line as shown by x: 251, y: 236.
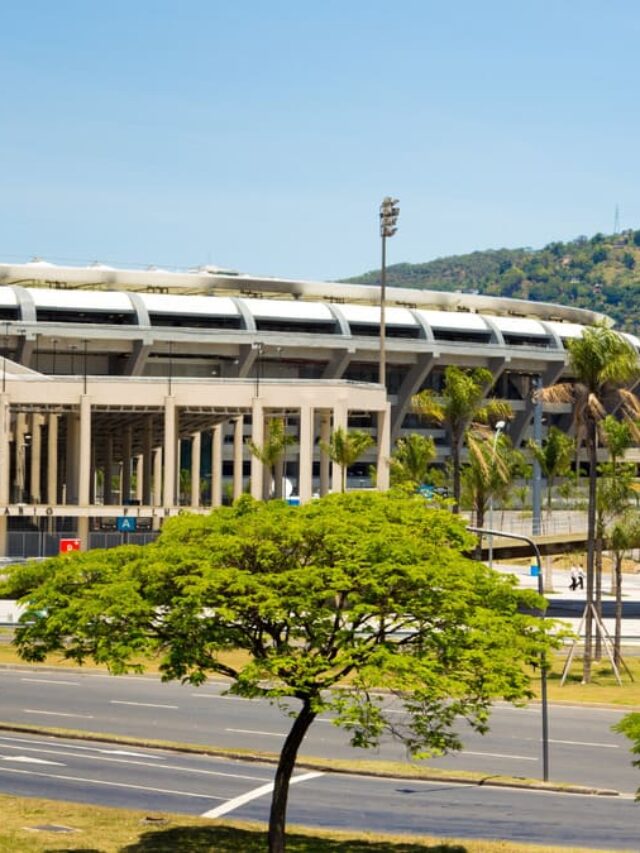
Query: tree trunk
x: 479, y: 523
x: 597, y: 653
x: 286, y: 763
x: 455, y: 459
x: 591, y: 534
x: 617, y: 638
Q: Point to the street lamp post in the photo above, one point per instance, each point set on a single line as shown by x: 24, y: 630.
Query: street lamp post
x: 499, y: 428
x: 389, y: 212
x: 544, y: 705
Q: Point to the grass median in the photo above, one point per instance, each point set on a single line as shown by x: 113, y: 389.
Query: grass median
x: 96, y: 829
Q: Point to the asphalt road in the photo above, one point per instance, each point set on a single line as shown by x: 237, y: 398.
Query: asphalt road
x: 583, y: 749
x: 153, y: 780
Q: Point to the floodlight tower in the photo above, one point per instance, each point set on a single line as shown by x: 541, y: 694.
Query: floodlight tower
x: 389, y: 212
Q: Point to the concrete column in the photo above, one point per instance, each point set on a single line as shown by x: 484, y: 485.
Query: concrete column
x: 196, y: 453
x: 325, y: 462
x: 84, y: 467
x: 216, y: 464
x: 36, y: 458
x: 127, y: 441
x: 52, y: 460
x: 147, y: 455
x: 70, y: 493
x: 383, y: 449
x: 157, y: 483
x: 340, y: 420
x: 5, y: 464
x: 305, y: 470
x: 20, y: 451
x: 257, y: 436
x: 238, y: 453
x: 108, y: 471
x: 139, y: 476
x: 169, y: 455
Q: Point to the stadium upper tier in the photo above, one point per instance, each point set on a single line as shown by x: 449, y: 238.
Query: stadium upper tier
x: 100, y: 321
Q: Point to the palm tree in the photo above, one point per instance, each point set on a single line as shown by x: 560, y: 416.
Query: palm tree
x: 602, y: 363
x: 489, y: 472
x: 411, y: 459
x: 623, y: 537
x: 459, y: 405
x: 554, y: 456
x: 271, y: 453
x: 345, y: 448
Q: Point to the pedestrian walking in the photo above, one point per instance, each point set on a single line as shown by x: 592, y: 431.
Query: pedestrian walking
x: 580, y: 579
x: 574, y: 578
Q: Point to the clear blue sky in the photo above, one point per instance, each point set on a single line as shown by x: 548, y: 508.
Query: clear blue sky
x: 262, y: 135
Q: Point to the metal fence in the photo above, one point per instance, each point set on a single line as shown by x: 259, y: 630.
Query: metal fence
x: 33, y: 544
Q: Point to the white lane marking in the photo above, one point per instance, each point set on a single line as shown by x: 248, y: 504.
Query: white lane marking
x: 236, y: 802
x: 87, y: 781
x: 252, y: 732
x: 67, y: 746
x: 27, y: 759
x: 219, y: 696
x: 143, y: 704
x: 500, y: 755
x: 57, y: 714
x: 586, y: 743
x: 127, y: 753
x: 51, y: 681
x: 177, y: 767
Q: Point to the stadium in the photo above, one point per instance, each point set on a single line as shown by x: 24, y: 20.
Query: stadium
x: 128, y: 395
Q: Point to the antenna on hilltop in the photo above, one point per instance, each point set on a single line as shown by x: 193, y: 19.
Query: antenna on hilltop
x: 616, y: 220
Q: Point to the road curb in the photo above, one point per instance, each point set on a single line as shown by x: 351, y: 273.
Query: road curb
x: 310, y: 763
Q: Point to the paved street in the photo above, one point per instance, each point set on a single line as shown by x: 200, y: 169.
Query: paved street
x: 154, y: 780
x: 583, y: 749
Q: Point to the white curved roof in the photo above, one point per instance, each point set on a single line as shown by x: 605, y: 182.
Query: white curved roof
x: 284, y: 309
x: 455, y: 321
x: 566, y: 330
x: 212, y: 306
x: 81, y: 300
x: 370, y: 315
x: 520, y: 326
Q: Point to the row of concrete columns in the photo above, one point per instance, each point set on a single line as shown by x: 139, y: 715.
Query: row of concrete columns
x: 157, y: 467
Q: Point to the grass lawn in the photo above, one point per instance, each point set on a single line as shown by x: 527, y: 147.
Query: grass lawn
x: 104, y: 830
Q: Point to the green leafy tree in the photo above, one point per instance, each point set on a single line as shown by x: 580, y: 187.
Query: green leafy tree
x: 461, y: 403
x: 411, y: 460
x: 364, y: 590
x: 629, y: 726
x: 272, y: 452
x: 602, y: 363
x: 344, y: 448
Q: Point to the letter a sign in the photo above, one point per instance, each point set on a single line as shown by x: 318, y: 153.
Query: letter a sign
x: 126, y: 524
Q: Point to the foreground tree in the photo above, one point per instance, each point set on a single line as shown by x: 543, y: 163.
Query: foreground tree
x: 602, y: 363
x: 367, y: 590
x: 630, y: 726
x: 461, y: 403
x: 344, y: 448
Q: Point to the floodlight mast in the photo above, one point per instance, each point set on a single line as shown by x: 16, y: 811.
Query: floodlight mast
x: 389, y: 212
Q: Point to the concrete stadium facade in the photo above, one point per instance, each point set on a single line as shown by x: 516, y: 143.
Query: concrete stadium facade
x: 131, y: 393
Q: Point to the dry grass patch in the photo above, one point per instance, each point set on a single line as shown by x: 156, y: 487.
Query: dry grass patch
x: 105, y: 830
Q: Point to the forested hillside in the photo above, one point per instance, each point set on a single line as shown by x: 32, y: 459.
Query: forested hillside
x: 601, y: 273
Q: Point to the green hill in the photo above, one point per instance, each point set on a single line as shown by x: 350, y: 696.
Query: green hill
x: 601, y: 273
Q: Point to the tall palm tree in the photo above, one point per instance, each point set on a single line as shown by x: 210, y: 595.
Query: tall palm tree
x: 411, y: 459
x: 344, y: 448
x: 602, y: 363
x: 460, y: 404
x: 272, y: 452
x: 623, y: 537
